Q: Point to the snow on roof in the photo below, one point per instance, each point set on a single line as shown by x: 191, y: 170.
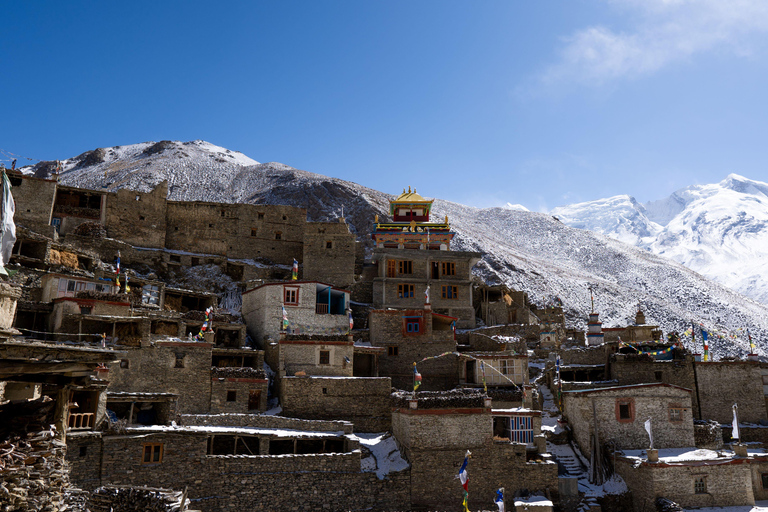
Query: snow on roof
x: 534, y: 501
x: 385, y: 455
x: 681, y: 456
x: 613, y: 388
x: 275, y: 432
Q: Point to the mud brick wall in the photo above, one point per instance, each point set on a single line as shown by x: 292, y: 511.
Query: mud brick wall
x: 329, y: 253
x: 152, y: 370
x: 647, y: 402
x: 265, y: 421
x: 387, y: 330
x: 365, y: 401
x: 138, y: 218
x: 243, y: 390
x: 727, y: 484
x: 722, y: 384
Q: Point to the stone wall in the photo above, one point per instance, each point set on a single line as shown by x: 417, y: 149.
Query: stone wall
x: 153, y: 369
x: 632, y: 369
x: 650, y: 401
x: 239, y: 231
x: 138, y: 218
x: 304, y: 355
x: 491, y: 338
x: 231, y: 394
x: 387, y: 330
x: 365, y: 401
x: 721, y: 384
x: 426, y: 268
x: 435, y: 442
x: 34, y: 202
x: 329, y: 253
x: 728, y: 484
x: 331, y: 481
x: 757, y: 470
x: 265, y: 421
x: 584, y: 355
x: 262, y: 311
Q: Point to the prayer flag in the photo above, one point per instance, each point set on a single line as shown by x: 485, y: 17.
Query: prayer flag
x: 465, y: 503
x: 426, y: 295
x: 351, y: 322
x: 751, y: 343
x: 735, y: 424
x: 285, y: 319
x: 500, y: 499
x: 416, y: 378
x: 463, y: 475
x: 7, y: 227
x: 117, y: 265
x: 295, y: 270
x: 648, y: 429
x: 704, y: 337
x: 127, y: 288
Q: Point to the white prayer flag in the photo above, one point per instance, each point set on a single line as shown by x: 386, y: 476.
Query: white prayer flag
x: 735, y: 433
x: 648, y: 429
x: 7, y: 227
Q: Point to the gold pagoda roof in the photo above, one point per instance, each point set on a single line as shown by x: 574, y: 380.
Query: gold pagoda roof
x: 411, y: 197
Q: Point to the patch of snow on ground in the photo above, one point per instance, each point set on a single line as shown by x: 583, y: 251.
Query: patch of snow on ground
x: 760, y: 506
x: 385, y: 454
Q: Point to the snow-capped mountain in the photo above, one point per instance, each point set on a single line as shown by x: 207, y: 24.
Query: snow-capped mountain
x: 528, y: 251
x: 719, y: 230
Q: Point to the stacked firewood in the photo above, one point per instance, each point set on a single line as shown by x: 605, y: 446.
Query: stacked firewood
x: 33, y: 472
x: 136, y: 499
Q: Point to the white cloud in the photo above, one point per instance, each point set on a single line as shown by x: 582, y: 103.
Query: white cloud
x: 662, y: 32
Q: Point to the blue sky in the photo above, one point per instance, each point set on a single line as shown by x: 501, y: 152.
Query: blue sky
x: 537, y: 103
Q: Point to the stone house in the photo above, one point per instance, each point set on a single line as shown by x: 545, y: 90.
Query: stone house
x: 694, y: 478
x: 410, y: 335
x: 311, y: 307
x: 723, y: 383
x: 274, y: 233
x: 499, y: 304
x: 412, y: 254
x: 329, y: 253
x: 716, y: 385
x: 315, y: 378
x: 498, y: 369
x: 434, y: 430
x: 34, y: 198
x: 239, y: 468
x: 404, y: 274
x: 195, y: 372
x: 616, y: 415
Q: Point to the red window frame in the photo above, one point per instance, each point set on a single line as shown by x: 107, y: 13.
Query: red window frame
x: 287, y: 298
x: 628, y: 402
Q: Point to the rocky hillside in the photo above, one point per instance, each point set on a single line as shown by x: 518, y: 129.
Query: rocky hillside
x: 529, y: 251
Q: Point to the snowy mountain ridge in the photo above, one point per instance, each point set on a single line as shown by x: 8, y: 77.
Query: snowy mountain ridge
x: 719, y: 230
x: 528, y: 251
